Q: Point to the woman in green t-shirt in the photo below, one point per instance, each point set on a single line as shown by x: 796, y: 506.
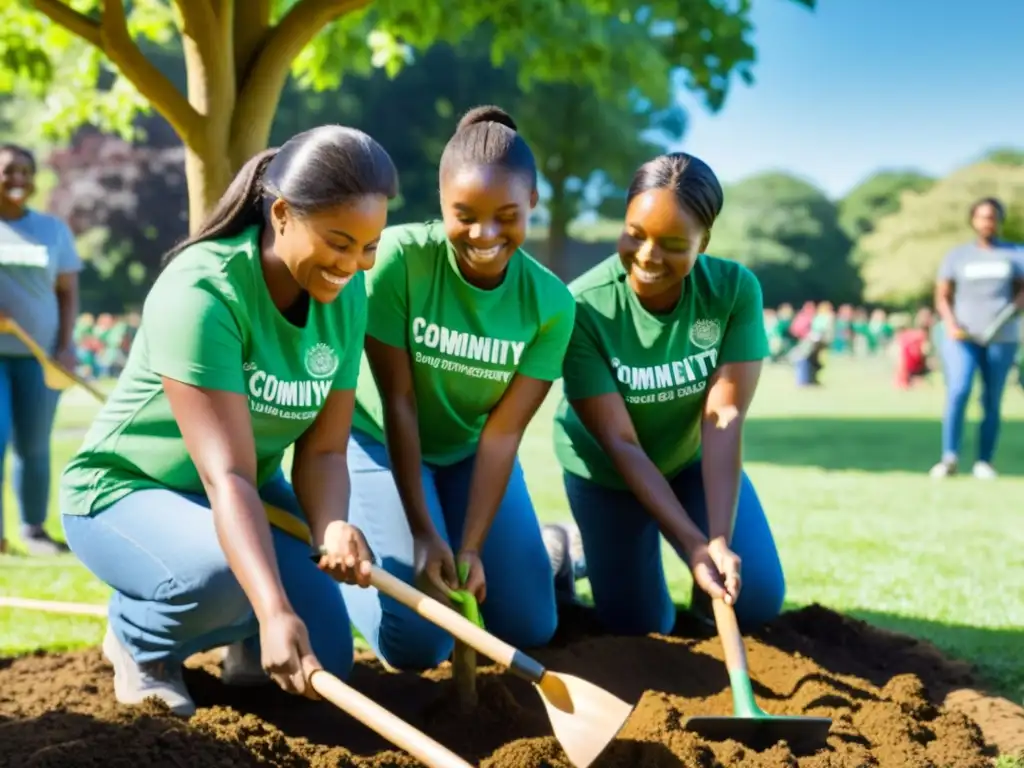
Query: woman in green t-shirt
x: 249, y: 344
x: 465, y: 336
x: 663, y: 364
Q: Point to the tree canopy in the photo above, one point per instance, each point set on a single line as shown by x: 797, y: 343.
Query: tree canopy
x: 787, y: 231
x: 87, y: 57
x: 902, y: 255
x: 877, y: 196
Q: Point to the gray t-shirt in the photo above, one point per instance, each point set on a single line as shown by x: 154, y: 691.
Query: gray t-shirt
x: 983, y: 283
x: 33, y: 251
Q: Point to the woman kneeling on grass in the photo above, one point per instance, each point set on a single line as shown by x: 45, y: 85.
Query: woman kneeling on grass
x: 465, y: 336
x: 663, y: 364
x: 249, y: 343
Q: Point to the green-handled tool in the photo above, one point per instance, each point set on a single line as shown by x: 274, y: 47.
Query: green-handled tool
x: 464, y: 656
x: 749, y: 724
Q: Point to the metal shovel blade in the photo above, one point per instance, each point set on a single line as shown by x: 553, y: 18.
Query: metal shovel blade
x: 761, y: 732
x: 585, y: 718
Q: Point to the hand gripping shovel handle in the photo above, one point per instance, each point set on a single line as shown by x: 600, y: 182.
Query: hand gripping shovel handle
x: 459, y: 627
x: 390, y: 726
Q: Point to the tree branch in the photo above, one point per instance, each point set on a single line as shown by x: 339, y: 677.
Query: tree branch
x: 74, y: 22
x: 266, y: 75
x: 199, y: 22
x: 110, y: 35
x: 251, y: 24
x: 150, y: 82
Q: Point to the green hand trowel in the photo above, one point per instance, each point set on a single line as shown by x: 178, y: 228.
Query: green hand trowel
x: 749, y: 724
x: 464, y: 657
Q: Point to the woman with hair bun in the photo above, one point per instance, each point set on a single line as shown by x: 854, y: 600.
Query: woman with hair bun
x: 249, y: 344
x: 465, y: 337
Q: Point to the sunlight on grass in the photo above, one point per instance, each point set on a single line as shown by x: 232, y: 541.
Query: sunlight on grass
x: 842, y: 472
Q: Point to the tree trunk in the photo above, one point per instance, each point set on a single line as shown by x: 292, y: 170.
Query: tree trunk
x: 207, y: 179
x: 559, y: 210
x: 211, y: 92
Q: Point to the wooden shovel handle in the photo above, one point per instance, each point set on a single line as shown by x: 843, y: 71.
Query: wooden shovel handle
x: 390, y: 726
x: 443, y: 616
x: 729, y: 633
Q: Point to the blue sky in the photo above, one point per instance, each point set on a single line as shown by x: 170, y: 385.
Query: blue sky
x: 858, y: 85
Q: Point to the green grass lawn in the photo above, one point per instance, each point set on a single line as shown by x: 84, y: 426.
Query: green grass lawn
x: 842, y: 471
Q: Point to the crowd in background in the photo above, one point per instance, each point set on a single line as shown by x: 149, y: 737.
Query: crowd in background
x: 102, y: 343
x: 799, y: 337
x: 803, y: 338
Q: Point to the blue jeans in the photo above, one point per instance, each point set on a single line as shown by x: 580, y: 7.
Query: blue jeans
x: 520, y: 604
x: 27, y: 407
x: 961, y: 360
x: 174, y: 594
x: 622, y: 544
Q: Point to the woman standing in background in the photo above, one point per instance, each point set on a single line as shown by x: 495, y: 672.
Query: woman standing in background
x: 975, y: 282
x: 39, y: 269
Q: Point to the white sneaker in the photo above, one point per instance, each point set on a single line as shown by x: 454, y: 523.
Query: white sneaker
x: 984, y: 471
x: 135, y: 682
x: 241, y: 666
x: 945, y: 468
x: 565, y: 551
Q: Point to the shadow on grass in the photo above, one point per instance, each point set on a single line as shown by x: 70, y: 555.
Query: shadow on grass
x: 996, y: 654
x: 869, y: 445
x: 877, y: 646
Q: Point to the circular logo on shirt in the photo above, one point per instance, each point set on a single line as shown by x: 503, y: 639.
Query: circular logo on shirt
x: 705, y: 333
x: 321, y: 362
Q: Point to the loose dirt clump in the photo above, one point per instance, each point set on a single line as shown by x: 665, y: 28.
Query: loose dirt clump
x: 894, y: 702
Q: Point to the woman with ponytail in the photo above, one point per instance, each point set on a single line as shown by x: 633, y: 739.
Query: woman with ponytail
x: 249, y: 344
x: 465, y: 336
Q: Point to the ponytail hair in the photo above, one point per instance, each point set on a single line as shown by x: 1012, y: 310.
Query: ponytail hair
x: 312, y: 171
x: 238, y: 208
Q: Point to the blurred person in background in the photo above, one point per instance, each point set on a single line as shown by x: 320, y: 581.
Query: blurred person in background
x: 975, y: 282
x: 39, y: 268
x: 914, y: 345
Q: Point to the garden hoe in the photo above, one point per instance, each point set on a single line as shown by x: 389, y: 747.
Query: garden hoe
x: 749, y: 724
x: 55, y: 375
x: 584, y: 718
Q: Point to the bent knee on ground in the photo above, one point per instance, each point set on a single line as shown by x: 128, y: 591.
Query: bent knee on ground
x: 532, y: 626
x: 761, y: 604
x: 413, y: 644
x: 637, y: 617
x: 215, y: 599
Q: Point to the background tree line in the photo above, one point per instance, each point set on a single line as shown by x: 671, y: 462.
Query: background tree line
x: 130, y: 163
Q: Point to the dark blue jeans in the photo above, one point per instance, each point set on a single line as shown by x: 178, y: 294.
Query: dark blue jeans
x: 174, y: 593
x: 520, y: 604
x: 27, y: 407
x: 961, y: 360
x: 622, y: 544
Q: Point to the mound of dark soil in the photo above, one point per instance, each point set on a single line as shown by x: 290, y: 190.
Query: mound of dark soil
x: 894, y: 702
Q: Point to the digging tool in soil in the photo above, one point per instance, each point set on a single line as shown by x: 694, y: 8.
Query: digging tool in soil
x: 749, y: 724
x: 464, y: 656
x: 584, y: 717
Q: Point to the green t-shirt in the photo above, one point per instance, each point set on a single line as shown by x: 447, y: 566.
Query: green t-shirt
x: 209, y: 321
x: 660, y: 364
x: 465, y: 343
